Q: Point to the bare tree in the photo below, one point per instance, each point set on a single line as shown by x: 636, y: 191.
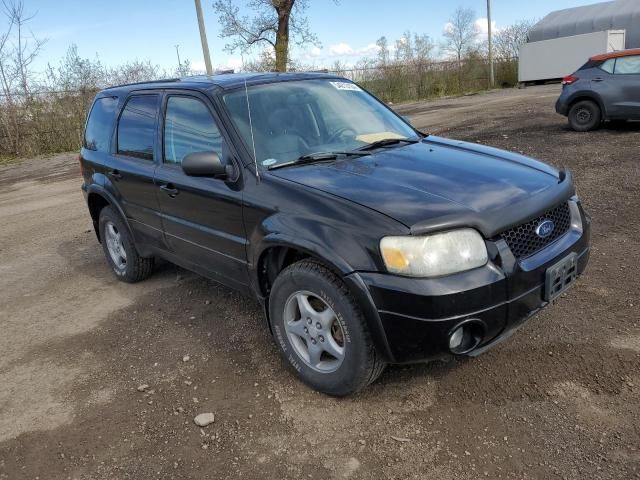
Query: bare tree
x: 422, y: 48
x: 404, y: 48
x: 275, y: 23
x: 460, y: 33
x: 383, y: 50
x: 18, y: 49
x: 264, y: 62
x: 507, y: 42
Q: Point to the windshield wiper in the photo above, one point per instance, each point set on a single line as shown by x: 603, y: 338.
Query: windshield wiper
x: 317, y: 157
x: 386, y: 141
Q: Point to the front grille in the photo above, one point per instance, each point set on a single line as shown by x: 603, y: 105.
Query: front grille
x: 523, y: 240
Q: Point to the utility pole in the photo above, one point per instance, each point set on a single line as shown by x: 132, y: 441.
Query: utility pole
x: 203, y: 38
x: 492, y: 79
x: 178, y: 54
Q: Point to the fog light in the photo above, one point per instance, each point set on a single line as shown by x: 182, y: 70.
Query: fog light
x: 455, y: 340
x: 466, y: 337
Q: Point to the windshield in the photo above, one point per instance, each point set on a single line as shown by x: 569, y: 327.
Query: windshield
x: 292, y: 119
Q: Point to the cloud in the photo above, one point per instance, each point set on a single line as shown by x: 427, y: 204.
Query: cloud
x: 341, y: 49
x: 343, y: 52
x: 315, y: 52
x: 371, y: 49
x: 482, y: 27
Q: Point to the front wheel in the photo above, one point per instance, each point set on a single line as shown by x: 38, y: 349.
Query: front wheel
x: 584, y: 116
x: 321, y: 331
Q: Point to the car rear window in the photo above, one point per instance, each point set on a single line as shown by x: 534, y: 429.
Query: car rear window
x: 97, y: 135
x: 137, y: 127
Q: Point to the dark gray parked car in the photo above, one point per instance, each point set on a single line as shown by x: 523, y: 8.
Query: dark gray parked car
x: 606, y: 88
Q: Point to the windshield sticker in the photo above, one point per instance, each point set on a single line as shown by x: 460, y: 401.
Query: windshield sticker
x: 269, y: 161
x: 346, y: 86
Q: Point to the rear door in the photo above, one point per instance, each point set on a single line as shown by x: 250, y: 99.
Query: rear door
x: 202, y: 217
x: 627, y: 74
x: 130, y: 168
x: 617, y: 81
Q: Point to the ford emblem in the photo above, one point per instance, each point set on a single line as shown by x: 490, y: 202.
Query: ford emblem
x: 545, y: 228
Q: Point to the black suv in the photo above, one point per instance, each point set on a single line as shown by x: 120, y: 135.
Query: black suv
x: 366, y: 241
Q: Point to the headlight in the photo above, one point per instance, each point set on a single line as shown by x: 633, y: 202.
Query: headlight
x: 434, y: 255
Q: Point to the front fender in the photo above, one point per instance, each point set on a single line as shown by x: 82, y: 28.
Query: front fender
x: 344, y: 250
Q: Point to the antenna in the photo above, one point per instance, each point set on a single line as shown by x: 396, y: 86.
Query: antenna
x: 253, y: 141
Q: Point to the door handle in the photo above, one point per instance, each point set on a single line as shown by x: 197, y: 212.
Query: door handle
x: 598, y: 79
x: 115, y: 174
x: 170, y: 190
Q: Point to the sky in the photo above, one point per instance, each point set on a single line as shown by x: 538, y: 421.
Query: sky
x: 119, y: 30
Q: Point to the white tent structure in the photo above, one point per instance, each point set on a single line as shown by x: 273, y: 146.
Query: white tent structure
x: 615, y: 15
x: 564, y: 40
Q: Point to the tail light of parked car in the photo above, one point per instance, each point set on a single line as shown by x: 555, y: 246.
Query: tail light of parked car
x: 569, y: 79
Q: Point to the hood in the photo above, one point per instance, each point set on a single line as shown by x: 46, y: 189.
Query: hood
x: 440, y: 183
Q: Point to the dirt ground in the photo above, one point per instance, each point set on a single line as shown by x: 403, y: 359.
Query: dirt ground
x: 560, y: 399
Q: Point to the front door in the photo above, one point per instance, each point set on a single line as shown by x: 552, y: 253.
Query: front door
x: 202, y: 217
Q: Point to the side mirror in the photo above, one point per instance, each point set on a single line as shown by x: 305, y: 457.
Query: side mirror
x: 206, y: 164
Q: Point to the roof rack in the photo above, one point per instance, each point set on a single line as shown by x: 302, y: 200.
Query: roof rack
x: 164, y: 80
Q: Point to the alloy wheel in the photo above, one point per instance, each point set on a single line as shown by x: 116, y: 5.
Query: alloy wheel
x: 314, y: 331
x: 113, y: 238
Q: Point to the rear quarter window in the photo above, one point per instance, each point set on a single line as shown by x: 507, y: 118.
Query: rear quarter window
x: 608, y: 65
x: 97, y: 134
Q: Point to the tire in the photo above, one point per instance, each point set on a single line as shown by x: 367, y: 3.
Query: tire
x: 584, y: 115
x: 120, y: 250
x: 354, y: 362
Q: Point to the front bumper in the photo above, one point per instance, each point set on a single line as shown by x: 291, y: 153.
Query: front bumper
x: 417, y: 315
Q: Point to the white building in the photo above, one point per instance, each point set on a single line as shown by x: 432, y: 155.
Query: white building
x: 563, y: 40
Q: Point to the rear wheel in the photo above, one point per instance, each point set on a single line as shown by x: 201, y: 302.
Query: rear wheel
x: 321, y: 331
x: 119, y: 249
x: 584, y: 115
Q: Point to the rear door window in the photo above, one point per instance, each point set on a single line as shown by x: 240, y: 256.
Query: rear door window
x: 189, y: 127
x: 97, y: 135
x: 137, y: 127
x: 628, y: 65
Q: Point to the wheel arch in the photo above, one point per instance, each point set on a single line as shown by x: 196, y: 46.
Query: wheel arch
x: 97, y: 199
x: 588, y: 95
x: 279, y: 252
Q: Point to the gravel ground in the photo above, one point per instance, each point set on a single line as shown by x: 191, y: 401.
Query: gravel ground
x: 103, y: 380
